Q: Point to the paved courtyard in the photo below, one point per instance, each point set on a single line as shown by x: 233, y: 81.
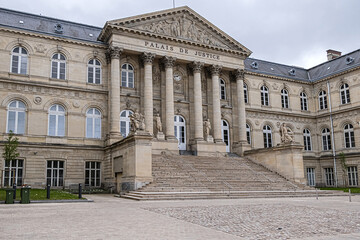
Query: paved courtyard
x: 114, y: 218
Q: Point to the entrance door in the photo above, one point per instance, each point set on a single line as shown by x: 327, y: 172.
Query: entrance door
x: 180, y: 131
x: 225, y: 134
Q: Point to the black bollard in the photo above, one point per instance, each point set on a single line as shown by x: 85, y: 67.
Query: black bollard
x: 14, y: 187
x: 80, y: 191
x: 48, y: 191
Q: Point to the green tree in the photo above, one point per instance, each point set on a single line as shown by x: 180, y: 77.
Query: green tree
x: 10, y: 150
x: 343, y: 168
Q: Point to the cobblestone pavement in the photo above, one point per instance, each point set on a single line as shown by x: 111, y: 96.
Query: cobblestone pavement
x: 107, y: 217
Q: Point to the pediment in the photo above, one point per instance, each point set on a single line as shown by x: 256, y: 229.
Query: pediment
x: 181, y: 24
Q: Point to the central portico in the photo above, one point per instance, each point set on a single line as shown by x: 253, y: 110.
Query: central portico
x: 183, y: 67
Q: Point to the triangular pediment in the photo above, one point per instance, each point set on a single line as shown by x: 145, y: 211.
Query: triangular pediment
x: 182, y: 24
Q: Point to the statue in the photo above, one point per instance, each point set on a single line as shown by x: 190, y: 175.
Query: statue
x: 137, y: 122
x: 158, y: 123
x: 287, y: 135
x: 207, y: 128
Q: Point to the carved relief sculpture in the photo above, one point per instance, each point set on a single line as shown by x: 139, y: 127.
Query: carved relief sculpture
x: 182, y: 27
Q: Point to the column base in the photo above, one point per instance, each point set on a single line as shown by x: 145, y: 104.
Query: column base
x: 160, y: 136
x: 240, y: 147
x: 210, y: 149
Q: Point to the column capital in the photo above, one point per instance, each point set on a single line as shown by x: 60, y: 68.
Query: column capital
x: 114, y: 52
x: 215, y: 69
x: 147, y: 57
x: 168, y: 61
x: 239, y: 74
x: 197, y: 66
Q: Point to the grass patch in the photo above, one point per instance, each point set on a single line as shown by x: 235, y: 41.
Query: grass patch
x: 40, y: 194
x: 353, y: 189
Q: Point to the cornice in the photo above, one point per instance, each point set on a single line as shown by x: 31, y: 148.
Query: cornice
x: 277, y: 113
x: 277, y: 77
x: 55, y: 86
x: 49, y: 37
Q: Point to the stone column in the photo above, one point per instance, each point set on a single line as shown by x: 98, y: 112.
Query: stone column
x: 199, y: 132
x: 169, y: 92
x: 241, y: 105
x: 215, y: 72
x: 114, y: 53
x: 148, y: 59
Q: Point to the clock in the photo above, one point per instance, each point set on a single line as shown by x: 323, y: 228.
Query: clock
x: 177, y: 77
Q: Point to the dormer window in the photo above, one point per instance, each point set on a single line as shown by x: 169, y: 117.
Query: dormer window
x: 58, y: 28
x: 349, y: 60
x: 292, y: 72
x: 254, y: 65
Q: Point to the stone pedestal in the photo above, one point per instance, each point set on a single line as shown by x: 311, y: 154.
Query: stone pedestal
x: 285, y: 159
x: 240, y: 147
x: 209, y: 139
x: 169, y: 145
x: 160, y: 136
x: 132, y: 161
x: 210, y: 149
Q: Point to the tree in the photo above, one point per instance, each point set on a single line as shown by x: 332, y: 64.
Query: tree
x: 343, y: 167
x: 10, y: 150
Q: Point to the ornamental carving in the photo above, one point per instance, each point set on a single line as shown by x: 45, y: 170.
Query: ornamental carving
x: 215, y: 69
x: 183, y: 28
x: 168, y: 62
x: 156, y: 75
x: 37, y: 100
x: 114, y: 52
x: 147, y: 57
x: 40, y: 48
x: 197, y: 66
x: 239, y: 73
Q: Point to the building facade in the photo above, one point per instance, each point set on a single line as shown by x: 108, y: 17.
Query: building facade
x: 67, y: 91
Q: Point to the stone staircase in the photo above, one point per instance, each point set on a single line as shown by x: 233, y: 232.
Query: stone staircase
x: 194, y: 177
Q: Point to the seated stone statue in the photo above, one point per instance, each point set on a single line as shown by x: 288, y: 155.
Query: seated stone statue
x: 287, y: 135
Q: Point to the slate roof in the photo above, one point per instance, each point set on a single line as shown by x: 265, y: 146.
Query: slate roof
x: 326, y: 69
x: 46, y: 25
x: 71, y: 30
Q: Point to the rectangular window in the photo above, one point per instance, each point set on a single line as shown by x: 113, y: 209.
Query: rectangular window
x: 92, y: 174
x: 353, y: 176
x: 55, y: 173
x: 13, y: 173
x: 329, y: 176
x: 310, y: 176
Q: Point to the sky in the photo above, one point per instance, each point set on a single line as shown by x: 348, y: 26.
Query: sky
x: 291, y: 32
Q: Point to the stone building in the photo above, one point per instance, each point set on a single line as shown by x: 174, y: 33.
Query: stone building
x: 67, y: 91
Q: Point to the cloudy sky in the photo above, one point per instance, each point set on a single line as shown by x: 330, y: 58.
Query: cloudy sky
x: 293, y: 32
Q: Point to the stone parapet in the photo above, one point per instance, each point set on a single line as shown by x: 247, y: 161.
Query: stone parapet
x: 285, y: 159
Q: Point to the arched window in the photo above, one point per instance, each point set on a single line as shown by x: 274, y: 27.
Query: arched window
x: 56, y: 121
x: 326, y: 139
x: 267, y: 136
x: 349, y: 136
x: 125, y: 122
x: 19, y: 60
x: 248, y: 133
x: 345, y: 93
x: 127, y: 76
x: 246, y: 97
x: 264, y: 96
x: 93, y: 123
x: 58, y: 66
x: 322, y: 100
x: 307, y: 140
x: 303, y: 101
x: 225, y: 130
x: 222, y: 89
x: 284, y: 98
x: 94, y: 71
x: 16, y: 117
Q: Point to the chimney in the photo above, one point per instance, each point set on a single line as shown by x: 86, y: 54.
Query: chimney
x: 332, y: 54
